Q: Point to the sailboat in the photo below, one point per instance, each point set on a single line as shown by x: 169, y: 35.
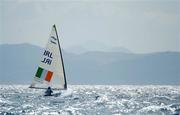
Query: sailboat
x: 51, y: 71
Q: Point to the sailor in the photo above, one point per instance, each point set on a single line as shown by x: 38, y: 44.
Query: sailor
x: 48, y: 92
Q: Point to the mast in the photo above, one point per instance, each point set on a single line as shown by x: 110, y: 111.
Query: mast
x: 65, y: 85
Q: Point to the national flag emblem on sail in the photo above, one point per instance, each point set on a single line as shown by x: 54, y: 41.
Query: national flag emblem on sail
x: 44, y: 74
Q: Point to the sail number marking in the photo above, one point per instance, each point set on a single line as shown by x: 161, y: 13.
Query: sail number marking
x: 48, y: 57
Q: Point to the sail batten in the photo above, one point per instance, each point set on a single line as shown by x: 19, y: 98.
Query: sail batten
x: 51, y: 67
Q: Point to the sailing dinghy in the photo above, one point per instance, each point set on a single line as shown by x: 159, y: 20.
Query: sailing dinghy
x: 50, y: 71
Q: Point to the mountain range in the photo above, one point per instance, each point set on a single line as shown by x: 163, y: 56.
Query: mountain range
x: 18, y: 64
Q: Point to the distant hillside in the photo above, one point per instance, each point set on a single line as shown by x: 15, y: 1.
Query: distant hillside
x: 18, y: 64
x: 81, y: 49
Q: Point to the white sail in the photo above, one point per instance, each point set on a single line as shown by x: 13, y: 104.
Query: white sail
x: 51, y: 67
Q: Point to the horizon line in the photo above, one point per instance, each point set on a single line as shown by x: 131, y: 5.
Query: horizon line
x: 96, y: 50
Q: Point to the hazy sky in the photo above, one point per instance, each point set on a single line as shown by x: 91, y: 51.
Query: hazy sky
x: 142, y: 26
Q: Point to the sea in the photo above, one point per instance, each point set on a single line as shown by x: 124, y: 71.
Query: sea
x: 91, y: 100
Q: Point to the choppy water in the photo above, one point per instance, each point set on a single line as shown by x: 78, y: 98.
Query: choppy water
x: 91, y: 100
